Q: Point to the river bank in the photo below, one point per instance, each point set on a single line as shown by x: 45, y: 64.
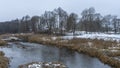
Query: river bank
x: 103, y: 50
x: 3, y: 60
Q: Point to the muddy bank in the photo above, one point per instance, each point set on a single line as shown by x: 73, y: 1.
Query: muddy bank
x: 80, y: 46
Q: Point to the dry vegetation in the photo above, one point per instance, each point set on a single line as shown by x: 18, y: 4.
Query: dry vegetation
x: 3, y: 61
x: 103, y: 50
x: 2, y: 42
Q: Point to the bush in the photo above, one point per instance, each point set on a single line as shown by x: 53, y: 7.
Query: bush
x: 2, y: 42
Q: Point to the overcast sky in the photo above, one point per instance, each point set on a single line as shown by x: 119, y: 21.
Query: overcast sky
x: 12, y: 9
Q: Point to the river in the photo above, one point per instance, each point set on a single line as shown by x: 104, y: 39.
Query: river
x: 22, y: 53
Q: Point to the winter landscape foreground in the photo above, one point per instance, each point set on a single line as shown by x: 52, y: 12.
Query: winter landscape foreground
x: 105, y: 47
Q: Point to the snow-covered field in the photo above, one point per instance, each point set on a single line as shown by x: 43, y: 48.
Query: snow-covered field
x: 111, y: 37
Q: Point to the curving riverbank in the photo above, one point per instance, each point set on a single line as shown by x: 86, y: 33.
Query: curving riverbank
x: 81, y: 46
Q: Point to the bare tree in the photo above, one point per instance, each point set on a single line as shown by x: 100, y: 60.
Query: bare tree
x: 71, y: 22
x: 90, y: 20
x: 62, y: 19
x: 35, y: 21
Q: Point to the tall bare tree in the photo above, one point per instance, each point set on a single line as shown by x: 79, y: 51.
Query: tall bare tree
x: 71, y: 22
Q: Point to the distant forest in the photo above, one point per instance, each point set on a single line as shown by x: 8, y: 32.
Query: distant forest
x: 59, y: 21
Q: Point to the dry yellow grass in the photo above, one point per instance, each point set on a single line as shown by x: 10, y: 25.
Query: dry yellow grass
x: 3, y: 61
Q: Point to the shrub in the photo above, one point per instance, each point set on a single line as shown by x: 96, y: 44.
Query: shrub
x: 2, y: 42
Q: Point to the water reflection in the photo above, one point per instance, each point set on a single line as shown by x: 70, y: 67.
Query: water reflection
x: 28, y: 52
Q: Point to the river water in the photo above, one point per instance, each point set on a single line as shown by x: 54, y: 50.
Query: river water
x: 22, y: 53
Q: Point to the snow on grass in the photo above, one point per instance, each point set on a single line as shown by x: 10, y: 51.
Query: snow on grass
x: 112, y: 37
x: 46, y: 65
x: 54, y: 38
x: 114, y: 50
x: 117, y: 58
x: 35, y: 66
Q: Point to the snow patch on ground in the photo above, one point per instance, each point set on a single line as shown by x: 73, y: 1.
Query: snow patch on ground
x: 112, y: 37
x: 35, y: 66
x: 114, y: 50
x: 46, y: 65
x: 11, y: 38
x: 54, y: 38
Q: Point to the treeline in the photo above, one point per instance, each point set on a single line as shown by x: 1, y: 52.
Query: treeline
x: 59, y: 21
